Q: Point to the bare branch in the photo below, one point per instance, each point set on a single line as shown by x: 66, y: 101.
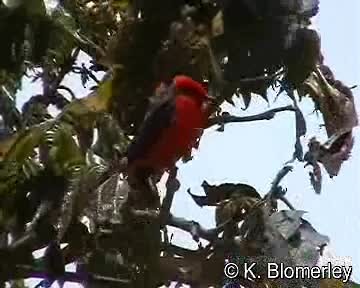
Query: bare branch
x: 261, y: 78
x: 195, y: 229
x: 267, y: 115
x: 279, y: 176
x: 148, y: 214
x: 287, y: 202
x: 27, y: 271
x: 172, y: 249
x: 276, y: 192
x: 172, y: 185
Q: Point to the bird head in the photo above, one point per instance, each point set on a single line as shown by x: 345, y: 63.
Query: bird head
x: 185, y: 84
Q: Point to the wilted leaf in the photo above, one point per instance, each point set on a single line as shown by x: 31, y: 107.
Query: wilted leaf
x: 335, y: 100
x: 300, y: 131
x: 316, y: 179
x: 307, y: 245
x: 332, y: 153
x: 246, y: 96
x: 261, y: 234
x: 217, y: 193
x: 300, y: 123
x: 287, y: 222
x: 302, y: 54
x: 234, y: 209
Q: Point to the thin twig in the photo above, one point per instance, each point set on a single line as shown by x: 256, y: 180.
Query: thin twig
x: 172, y: 249
x: 67, y: 89
x: 279, y: 176
x: 287, y: 202
x: 267, y: 115
x: 276, y: 192
x: 172, y: 185
x: 261, y: 78
x: 149, y: 214
x: 195, y: 229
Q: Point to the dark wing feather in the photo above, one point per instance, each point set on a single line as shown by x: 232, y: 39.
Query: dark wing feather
x: 160, y: 116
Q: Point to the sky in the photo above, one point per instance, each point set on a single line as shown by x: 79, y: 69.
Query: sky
x: 253, y: 152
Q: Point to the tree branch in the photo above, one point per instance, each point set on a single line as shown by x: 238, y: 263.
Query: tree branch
x: 267, y: 115
x: 28, y: 271
x: 172, y: 185
x: 276, y: 192
x: 172, y: 249
x: 279, y: 176
x: 261, y: 78
x: 148, y: 214
x: 195, y: 229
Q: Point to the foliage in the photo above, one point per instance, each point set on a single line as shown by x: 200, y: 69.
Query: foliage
x: 54, y: 170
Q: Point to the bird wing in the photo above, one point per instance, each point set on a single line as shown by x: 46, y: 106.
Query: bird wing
x: 161, y: 115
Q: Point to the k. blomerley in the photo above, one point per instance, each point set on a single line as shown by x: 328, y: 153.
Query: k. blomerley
x: 281, y: 271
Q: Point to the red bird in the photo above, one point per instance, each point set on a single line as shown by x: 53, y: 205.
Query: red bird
x: 171, y: 129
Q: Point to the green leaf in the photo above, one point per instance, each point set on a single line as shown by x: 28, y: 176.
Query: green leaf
x: 120, y: 4
x: 64, y: 20
x: 80, y: 112
x: 21, y: 146
x: 35, y: 8
x: 65, y: 152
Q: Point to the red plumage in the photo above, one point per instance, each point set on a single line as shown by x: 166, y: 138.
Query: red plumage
x: 172, y: 128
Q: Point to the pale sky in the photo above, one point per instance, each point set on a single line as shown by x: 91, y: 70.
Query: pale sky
x: 253, y: 153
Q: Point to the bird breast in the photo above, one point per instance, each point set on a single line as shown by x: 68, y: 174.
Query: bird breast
x: 177, y: 140
x: 190, y: 122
